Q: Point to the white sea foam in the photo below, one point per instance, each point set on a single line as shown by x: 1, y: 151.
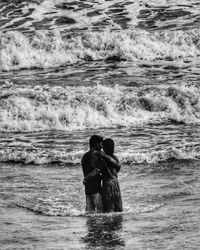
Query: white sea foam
x: 144, y: 208
x: 32, y: 155
x: 69, y: 210
x: 45, y: 49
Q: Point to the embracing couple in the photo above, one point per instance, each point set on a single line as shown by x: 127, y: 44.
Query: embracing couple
x: 100, y: 170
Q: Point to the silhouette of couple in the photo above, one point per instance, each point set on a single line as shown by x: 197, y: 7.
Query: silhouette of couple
x: 100, y: 170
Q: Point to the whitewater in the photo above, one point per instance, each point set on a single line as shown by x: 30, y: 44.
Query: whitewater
x: 128, y: 70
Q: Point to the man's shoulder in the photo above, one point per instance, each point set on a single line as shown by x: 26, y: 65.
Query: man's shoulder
x: 86, y: 155
x: 91, y: 154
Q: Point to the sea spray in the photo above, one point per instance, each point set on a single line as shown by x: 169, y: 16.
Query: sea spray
x: 70, y: 108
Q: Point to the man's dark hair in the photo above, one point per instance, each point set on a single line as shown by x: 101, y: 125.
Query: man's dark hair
x: 94, y: 140
x: 108, y: 146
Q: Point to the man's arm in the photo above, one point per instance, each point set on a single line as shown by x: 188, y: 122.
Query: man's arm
x: 97, y: 164
x: 91, y: 175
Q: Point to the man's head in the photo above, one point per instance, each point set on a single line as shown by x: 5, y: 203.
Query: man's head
x: 95, y: 142
x: 108, y: 146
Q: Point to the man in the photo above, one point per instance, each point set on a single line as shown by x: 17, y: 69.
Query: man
x: 91, y: 161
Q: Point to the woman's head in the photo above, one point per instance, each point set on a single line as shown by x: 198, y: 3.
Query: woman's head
x: 108, y: 146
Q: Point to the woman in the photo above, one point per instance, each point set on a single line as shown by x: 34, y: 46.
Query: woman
x: 111, y: 191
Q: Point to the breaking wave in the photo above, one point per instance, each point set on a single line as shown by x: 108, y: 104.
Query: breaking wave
x: 55, y: 49
x: 71, y: 108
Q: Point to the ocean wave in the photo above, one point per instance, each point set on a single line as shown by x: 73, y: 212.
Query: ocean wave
x: 70, y: 108
x: 55, y: 49
x: 52, y: 156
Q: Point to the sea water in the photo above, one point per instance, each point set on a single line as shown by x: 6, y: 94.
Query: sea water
x: 128, y: 70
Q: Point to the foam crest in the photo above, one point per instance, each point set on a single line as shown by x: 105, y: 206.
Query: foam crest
x: 50, y: 208
x: 45, y: 49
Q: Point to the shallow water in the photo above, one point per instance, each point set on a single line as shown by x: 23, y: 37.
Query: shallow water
x: 161, y: 208
x: 128, y: 70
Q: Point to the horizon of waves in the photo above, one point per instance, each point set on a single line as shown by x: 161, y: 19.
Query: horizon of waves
x: 45, y: 49
x: 32, y: 155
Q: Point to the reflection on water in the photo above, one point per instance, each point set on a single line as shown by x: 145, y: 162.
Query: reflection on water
x: 104, y: 232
